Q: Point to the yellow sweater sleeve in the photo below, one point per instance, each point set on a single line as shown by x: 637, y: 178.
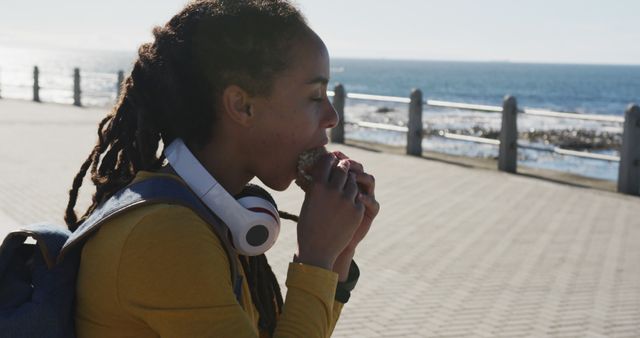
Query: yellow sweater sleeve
x: 310, y: 295
x: 173, y: 275
x: 337, y: 310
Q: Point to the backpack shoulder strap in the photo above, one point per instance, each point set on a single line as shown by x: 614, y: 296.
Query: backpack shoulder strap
x: 154, y: 190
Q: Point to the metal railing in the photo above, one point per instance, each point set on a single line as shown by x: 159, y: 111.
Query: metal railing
x: 484, y: 108
x: 76, y: 92
x: 629, y: 173
x: 492, y: 109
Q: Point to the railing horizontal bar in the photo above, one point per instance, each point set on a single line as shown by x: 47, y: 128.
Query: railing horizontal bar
x: 378, y: 98
x: 98, y: 93
x: 380, y: 126
x: 368, y: 97
x: 466, y: 106
x: 573, y: 153
x: 575, y: 116
x: 474, y: 139
x: 585, y: 154
x: 15, y: 86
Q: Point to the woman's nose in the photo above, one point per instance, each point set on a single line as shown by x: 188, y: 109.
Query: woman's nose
x: 331, y: 117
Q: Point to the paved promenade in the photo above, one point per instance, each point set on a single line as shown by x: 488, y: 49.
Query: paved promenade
x: 455, y: 252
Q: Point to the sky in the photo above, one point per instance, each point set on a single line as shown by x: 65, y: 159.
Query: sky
x: 548, y: 31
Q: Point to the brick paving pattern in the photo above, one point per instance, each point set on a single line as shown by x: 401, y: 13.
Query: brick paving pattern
x: 455, y: 252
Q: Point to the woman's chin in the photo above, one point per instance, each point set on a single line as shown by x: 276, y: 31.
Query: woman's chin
x: 279, y: 185
x: 282, y: 187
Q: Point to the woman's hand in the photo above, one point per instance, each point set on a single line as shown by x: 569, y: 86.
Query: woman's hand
x: 332, y: 213
x: 366, y: 184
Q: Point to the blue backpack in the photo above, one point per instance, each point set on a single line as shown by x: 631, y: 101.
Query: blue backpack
x: 38, y: 281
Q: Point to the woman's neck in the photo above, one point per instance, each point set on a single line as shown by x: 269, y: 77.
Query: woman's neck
x: 223, y: 163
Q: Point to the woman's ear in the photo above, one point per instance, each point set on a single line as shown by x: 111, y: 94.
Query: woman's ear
x: 237, y: 104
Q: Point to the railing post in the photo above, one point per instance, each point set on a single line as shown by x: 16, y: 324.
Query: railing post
x: 337, y: 133
x: 36, y: 84
x: 629, y: 172
x: 415, y: 133
x: 119, y: 84
x: 508, y: 157
x: 76, y: 87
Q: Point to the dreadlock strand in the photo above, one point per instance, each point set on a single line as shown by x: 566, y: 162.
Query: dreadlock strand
x: 255, y: 281
x: 71, y: 219
x: 275, y: 286
x: 266, y: 296
x: 291, y: 217
x: 70, y: 215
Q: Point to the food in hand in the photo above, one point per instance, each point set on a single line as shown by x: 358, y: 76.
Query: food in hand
x: 306, y: 161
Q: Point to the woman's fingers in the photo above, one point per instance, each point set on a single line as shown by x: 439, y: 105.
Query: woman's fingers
x: 340, y: 155
x: 321, y: 171
x: 339, y: 175
x: 367, y: 183
x: 351, y: 187
x: 356, y: 166
x: 371, y: 205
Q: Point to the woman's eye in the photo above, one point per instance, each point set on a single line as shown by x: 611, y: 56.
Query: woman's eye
x: 318, y: 95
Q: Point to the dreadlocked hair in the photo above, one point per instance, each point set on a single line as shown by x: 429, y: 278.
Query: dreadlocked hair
x: 173, y: 91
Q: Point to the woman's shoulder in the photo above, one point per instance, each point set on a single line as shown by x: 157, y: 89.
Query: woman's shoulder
x: 151, y: 255
x: 169, y: 232
x: 161, y: 217
x: 154, y: 223
x: 151, y: 224
x: 158, y: 221
x: 164, y: 220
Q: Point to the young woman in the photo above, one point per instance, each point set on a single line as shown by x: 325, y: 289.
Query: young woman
x: 243, y: 84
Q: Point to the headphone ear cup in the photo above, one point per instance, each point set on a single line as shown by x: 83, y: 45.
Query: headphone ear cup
x: 256, y: 190
x: 260, y: 235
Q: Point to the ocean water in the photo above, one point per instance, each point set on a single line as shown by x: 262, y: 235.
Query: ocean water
x: 591, y: 89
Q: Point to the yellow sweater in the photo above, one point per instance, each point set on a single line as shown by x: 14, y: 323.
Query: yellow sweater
x: 160, y: 271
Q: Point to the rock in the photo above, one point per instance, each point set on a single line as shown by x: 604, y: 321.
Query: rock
x: 383, y: 110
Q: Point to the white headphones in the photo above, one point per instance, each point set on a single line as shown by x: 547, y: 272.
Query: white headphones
x: 252, y: 219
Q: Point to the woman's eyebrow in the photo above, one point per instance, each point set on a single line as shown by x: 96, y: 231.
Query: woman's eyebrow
x: 318, y: 79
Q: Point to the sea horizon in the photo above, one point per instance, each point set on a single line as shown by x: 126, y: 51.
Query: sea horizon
x: 348, y: 57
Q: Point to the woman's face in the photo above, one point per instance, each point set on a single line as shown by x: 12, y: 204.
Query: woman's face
x: 294, y: 117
